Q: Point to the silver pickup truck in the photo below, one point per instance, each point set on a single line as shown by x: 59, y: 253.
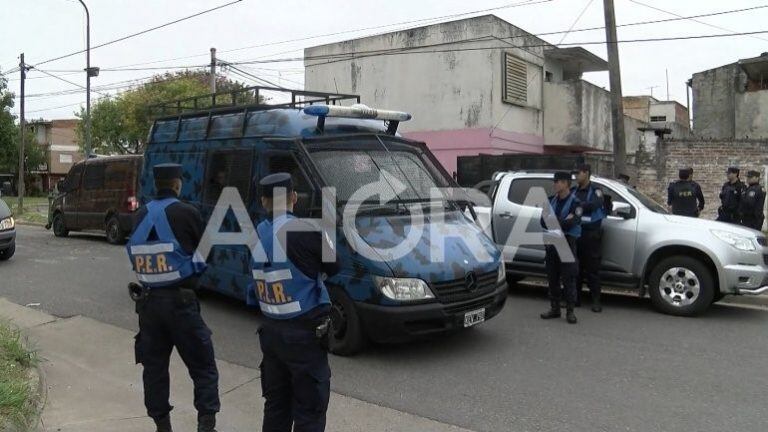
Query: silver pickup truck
x: 684, y: 264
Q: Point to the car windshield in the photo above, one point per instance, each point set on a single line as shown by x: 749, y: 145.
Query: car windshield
x: 4, y: 210
x: 647, y: 201
x: 360, y: 172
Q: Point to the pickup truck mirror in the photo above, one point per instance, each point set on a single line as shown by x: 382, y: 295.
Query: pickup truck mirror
x: 621, y: 209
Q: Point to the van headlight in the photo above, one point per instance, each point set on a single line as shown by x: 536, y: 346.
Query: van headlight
x: 403, y: 289
x: 739, y: 242
x: 7, y: 223
x: 502, y: 273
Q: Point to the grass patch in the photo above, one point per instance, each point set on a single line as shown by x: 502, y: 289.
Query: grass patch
x: 16, y: 392
x: 33, y: 217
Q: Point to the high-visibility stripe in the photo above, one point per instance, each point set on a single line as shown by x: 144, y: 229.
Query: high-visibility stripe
x: 160, y: 277
x: 152, y: 249
x: 281, y: 309
x: 586, y: 219
x: 273, y: 276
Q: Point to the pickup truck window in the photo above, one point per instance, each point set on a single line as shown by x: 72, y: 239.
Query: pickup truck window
x: 648, y: 202
x: 520, y: 188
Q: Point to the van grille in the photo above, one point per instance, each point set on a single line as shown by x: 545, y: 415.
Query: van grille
x: 456, y: 290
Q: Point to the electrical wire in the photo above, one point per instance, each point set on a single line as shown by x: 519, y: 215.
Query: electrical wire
x: 576, y: 21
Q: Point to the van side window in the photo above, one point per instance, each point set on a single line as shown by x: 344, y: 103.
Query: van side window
x: 520, y: 188
x: 227, y: 168
x: 116, y: 174
x: 73, y: 178
x: 165, y: 131
x: 285, y: 162
x: 94, y: 177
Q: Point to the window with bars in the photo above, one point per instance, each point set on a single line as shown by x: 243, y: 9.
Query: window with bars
x: 515, y: 80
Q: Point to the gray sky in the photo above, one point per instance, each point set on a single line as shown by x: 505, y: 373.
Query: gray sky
x: 44, y: 29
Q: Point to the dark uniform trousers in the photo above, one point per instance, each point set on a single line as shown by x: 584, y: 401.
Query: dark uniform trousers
x: 589, y: 247
x: 171, y: 318
x: 561, y: 275
x: 295, y: 376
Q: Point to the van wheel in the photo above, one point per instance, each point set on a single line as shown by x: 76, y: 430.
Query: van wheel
x: 6, y: 254
x: 115, y: 235
x: 59, y: 229
x: 346, y: 333
x: 681, y: 285
x: 513, y: 280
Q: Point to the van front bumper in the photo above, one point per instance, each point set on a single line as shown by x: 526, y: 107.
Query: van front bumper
x: 404, y: 322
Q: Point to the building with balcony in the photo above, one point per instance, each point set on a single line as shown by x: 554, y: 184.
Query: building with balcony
x: 59, y: 143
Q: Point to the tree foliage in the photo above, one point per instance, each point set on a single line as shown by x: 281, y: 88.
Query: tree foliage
x: 120, y: 124
x: 9, y: 137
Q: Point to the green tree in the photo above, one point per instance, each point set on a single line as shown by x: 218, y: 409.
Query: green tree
x: 9, y: 138
x: 120, y: 124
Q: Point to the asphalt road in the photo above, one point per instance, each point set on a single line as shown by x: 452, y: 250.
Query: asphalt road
x: 628, y: 369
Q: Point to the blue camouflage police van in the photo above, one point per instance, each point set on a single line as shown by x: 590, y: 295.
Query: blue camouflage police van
x: 323, y: 142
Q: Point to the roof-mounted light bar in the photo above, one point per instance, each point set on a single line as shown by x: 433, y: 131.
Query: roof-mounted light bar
x: 356, y: 111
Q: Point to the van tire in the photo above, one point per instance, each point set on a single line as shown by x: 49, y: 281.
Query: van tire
x: 346, y: 335
x: 59, y: 228
x: 513, y: 280
x: 6, y: 254
x: 115, y: 234
x: 691, y: 273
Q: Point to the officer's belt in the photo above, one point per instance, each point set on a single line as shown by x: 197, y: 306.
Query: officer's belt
x: 309, y: 322
x: 170, y: 292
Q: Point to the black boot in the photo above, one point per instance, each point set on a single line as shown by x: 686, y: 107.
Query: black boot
x: 596, y: 306
x: 206, y: 423
x: 570, y: 316
x: 554, y: 311
x: 163, y: 424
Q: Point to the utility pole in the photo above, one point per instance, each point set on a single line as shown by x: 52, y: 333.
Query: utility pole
x: 88, y: 73
x: 213, y: 70
x: 22, y: 127
x: 667, y: 72
x: 617, y: 103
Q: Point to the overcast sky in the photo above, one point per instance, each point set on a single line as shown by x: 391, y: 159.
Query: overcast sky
x: 44, y: 29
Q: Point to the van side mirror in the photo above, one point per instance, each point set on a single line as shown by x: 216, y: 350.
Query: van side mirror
x: 61, y: 185
x: 621, y: 209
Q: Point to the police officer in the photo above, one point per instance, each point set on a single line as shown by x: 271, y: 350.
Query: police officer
x: 590, y: 243
x: 730, y: 194
x: 161, y: 249
x: 697, y: 190
x: 294, y: 301
x: 752, y: 201
x: 562, y: 219
x: 684, y: 196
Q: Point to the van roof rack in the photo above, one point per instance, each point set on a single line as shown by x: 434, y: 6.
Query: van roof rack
x: 247, y: 97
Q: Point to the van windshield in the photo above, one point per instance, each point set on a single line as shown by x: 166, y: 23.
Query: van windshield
x: 361, y: 172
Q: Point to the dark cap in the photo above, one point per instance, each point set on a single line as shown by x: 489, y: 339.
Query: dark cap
x: 584, y: 167
x: 276, y: 180
x: 562, y: 175
x: 624, y: 177
x: 167, y: 171
x: 733, y: 170
x: 684, y: 173
x: 753, y: 173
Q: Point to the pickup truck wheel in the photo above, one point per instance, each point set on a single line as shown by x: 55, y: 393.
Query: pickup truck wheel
x: 115, y: 235
x: 59, y: 229
x: 718, y: 296
x: 513, y: 280
x: 681, y: 285
x: 346, y: 333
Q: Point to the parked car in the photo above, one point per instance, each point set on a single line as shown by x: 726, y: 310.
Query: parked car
x: 98, y: 194
x: 7, y: 232
x: 684, y: 264
x: 347, y: 148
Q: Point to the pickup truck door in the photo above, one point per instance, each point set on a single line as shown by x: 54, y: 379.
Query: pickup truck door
x: 619, y: 238
x: 509, y: 211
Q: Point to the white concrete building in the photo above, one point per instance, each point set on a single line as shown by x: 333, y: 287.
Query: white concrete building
x: 478, y: 85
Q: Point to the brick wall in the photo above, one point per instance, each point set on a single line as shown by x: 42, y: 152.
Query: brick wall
x: 657, y: 165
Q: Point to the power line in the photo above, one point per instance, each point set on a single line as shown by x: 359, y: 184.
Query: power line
x: 65, y: 80
x: 132, y: 35
x: 301, y: 39
x: 691, y: 19
x: 576, y: 21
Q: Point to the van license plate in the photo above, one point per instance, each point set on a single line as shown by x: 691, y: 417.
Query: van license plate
x: 474, y: 317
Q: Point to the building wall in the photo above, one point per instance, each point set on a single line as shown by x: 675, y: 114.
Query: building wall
x: 637, y: 107
x: 658, y: 165
x: 752, y: 114
x: 714, y: 102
